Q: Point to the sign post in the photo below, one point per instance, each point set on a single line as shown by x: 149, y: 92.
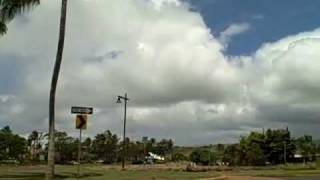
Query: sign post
x: 79, y: 154
x: 81, y: 124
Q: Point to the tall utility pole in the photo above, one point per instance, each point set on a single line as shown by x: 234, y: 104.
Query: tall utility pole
x: 125, y: 98
x: 285, y: 152
x: 210, y: 155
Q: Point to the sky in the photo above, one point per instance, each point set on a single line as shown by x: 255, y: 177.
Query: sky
x: 269, y: 20
x: 197, y: 71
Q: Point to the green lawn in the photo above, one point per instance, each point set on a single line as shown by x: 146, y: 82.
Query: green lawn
x: 163, y: 172
x: 279, y: 171
x: 92, y: 172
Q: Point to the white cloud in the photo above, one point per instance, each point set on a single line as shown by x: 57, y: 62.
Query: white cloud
x: 233, y: 30
x: 178, y: 79
x: 288, y: 69
x: 158, y: 4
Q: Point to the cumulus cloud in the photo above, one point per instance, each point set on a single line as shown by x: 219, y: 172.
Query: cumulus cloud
x: 180, y: 83
x: 283, y: 77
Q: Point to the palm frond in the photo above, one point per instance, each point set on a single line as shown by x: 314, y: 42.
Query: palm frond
x: 3, y: 28
x: 11, y: 8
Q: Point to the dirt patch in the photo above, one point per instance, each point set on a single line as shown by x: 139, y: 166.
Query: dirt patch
x: 250, y: 178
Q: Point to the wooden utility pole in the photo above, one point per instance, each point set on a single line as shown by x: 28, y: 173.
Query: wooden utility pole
x: 124, y: 148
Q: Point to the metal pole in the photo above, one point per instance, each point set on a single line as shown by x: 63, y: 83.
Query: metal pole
x: 209, y: 156
x: 285, y: 153
x: 124, y: 132
x: 79, y: 154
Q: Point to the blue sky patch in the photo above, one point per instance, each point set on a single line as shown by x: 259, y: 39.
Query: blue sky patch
x: 269, y: 20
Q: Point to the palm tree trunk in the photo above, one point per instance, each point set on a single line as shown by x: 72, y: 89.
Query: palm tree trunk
x: 55, y: 76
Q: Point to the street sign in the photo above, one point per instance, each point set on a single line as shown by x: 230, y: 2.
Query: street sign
x: 81, y: 110
x: 81, y: 121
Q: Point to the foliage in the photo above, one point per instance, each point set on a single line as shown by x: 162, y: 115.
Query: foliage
x: 163, y: 147
x: 258, y: 148
x: 35, y: 141
x: 231, y: 154
x: 66, y: 147
x: 306, y: 147
x: 179, y: 157
x: 105, y: 146
x: 270, y: 146
x: 9, y: 9
x: 204, y: 157
x: 12, y: 146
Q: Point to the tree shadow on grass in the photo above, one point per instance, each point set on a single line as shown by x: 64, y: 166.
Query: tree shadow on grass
x: 38, y: 176
x: 23, y: 176
x: 73, y: 175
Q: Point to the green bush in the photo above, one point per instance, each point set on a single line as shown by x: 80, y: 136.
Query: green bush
x: 179, y: 157
x: 203, y: 157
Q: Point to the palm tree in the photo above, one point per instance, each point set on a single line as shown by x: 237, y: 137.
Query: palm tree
x: 35, y: 143
x: 32, y: 142
x: 55, y: 76
x: 10, y: 9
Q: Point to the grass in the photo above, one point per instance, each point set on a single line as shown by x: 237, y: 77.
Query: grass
x: 154, y: 172
x: 280, y: 171
x: 97, y: 172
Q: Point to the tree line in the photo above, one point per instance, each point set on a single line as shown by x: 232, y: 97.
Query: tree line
x: 105, y: 147
x: 258, y: 148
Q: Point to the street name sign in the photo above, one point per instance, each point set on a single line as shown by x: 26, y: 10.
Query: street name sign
x: 81, y: 110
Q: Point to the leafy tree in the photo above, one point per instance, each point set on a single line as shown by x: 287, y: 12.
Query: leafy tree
x: 200, y: 156
x: 259, y: 148
x: 87, y: 149
x: 6, y: 130
x: 66, y: 147
x: 12, y: 146
x: 305, y: 146
x: 276, y: 141
x: 254, y: 155
x: 232, y: 154
x: 105, y: 146
x: 179, y: 157
x: 87, y: 143
x: 195, y: 156
x: 151, y: 144
x: 163, y: 147
x: 135, y: 152
x: 252, y: 149
x: 220, y: 147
